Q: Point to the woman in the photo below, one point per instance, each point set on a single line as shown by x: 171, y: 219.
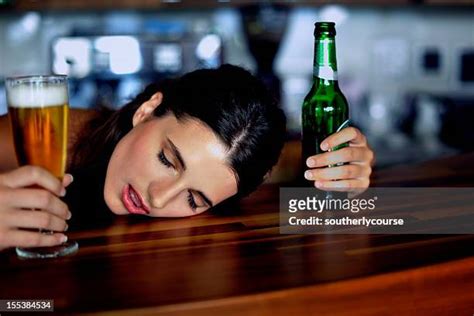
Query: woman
x: 177, y: 150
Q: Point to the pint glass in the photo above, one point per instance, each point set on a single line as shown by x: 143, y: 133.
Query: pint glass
x: 38, y: 111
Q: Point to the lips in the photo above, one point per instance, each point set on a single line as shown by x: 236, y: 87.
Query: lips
x: 133, y: 201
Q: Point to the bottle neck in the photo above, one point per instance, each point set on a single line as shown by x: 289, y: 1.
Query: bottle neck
x: 325, y: 64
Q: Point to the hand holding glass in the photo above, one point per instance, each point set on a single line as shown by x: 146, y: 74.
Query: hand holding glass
x: 38, y: 110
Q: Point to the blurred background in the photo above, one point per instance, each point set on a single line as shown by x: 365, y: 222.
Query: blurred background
x: 405, y: 66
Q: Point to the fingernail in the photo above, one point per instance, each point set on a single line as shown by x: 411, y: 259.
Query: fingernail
x: 319, y: 184
x: 310, y: 163
x: 63, y: 238
x: 72, y: 178
x: 67, y: 226
x: 324, y: 146
x: 307, y: 175
x: 63, y: 192
x: 69, y: 215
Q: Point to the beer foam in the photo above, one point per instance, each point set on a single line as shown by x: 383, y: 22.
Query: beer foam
x: 27, y: 97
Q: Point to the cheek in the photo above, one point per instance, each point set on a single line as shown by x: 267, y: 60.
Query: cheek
x: 177, y: 207
x: 132, y: 154
x: 132, y: 160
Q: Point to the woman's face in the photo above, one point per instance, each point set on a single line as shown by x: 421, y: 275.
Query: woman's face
x: 167, y: 168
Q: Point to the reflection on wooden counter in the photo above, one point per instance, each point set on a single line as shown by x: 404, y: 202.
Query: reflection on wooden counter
x: 237, y: 262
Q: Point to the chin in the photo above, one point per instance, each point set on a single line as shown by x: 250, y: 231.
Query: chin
x: 114, y: 205
x: 116, y: 211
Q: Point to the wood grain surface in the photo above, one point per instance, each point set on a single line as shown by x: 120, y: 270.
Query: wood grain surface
x: 236, y: 262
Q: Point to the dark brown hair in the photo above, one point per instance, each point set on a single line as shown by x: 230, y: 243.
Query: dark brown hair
x: 233, y: 103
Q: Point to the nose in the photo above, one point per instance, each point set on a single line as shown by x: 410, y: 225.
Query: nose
x: 161, y: 192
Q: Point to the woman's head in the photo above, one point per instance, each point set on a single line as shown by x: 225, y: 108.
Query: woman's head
x: 196, y: 140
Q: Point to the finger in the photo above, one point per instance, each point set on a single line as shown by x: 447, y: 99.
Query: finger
x: 34, y: 219
x: 343, y: 185
x: 67, y: 179
x: 23, y: 238
x: 33, y: 175
x: 348, y: 134
x: 346, y: 154
x: 351, y: 171
x: 37, y: 199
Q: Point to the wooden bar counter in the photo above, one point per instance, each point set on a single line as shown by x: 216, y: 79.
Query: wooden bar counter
x: 237, y: 263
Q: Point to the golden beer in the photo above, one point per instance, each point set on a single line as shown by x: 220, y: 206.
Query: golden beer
x: 40, y: 136
x: 38, y: 108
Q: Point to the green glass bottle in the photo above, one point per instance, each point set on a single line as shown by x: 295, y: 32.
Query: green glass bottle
x: 325, y: 109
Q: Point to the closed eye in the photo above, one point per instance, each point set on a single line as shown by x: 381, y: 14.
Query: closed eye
x: 190, y: 198
x: 192, y: 202
x: 164, y: 160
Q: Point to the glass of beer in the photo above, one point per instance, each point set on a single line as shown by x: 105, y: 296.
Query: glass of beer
x: 38, y: 110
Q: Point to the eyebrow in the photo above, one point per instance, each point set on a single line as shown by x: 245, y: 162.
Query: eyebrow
x: 177, y: 153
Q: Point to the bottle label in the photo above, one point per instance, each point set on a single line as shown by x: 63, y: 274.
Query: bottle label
x: 343, y: 125
x: 325, y: 72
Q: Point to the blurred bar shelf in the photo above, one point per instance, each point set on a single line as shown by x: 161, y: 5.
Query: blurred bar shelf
x: 21, y: 5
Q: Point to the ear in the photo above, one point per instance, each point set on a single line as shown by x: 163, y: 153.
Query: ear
x: 146, y: 109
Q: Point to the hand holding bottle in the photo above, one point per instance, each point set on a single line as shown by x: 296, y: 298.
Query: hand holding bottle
x: 354, y: 175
